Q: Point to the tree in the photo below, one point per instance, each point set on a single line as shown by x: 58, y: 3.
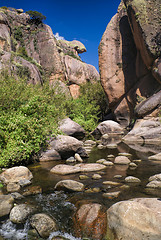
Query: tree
x: 36, y: 17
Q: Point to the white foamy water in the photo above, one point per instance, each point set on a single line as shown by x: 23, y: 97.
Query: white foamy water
x: 64, y: 235
x: 8, y: 230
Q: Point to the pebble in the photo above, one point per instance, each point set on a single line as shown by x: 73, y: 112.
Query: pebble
x: 111, y: 183
x: 132, y: 165
x: 118, y: 176
x: 100, y: 146
x: 96, y: 176
x: 108, y: 163
x: 131, y: 179
x: 125, y: 154
x: 83, y: 177
x: 111, y: 195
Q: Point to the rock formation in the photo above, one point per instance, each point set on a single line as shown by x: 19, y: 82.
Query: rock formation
x: 32, y: 51
x: 129, y: 57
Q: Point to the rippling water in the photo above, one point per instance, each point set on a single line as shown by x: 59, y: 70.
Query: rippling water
x: 61, y: 206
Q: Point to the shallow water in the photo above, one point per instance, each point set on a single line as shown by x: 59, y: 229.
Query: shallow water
x: 61, y: 205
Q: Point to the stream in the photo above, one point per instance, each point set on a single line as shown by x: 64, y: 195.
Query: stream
x: 62, y: 205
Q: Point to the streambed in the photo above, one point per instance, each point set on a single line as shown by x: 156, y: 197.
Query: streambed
x: 62, y: 205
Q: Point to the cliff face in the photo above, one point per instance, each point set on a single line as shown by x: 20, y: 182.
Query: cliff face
x: 129, y: 58
x: 30, y: 50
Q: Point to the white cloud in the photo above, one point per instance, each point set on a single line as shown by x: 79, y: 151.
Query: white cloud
x: 58, y: 37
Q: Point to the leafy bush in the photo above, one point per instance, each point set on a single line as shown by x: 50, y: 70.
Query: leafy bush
x: 36, y: 17
x: 30, y: 113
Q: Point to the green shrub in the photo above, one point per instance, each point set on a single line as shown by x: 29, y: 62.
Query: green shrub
x: 30, y: 113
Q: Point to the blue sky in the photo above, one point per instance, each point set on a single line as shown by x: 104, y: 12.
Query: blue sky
x: 83, y: 20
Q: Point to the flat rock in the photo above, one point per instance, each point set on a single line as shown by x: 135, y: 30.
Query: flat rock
x: 63, y: 169
x: 15, y: 174
x: 122, y: 160
x: 6, y: 204
x: 125, y: 154
x: 70, y: 185
x: 137, y: 219
x: 111, y: 183
x: 108, y: 163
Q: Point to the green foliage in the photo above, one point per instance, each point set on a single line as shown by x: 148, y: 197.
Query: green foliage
x: 71, y: 54
x: 36, y: 17
x: 30, y: 113
x: 27, y: 115
x: 89, y: 108
x: 18, y: 35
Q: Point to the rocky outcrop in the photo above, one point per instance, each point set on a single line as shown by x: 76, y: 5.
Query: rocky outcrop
x: 135, y: 219
x: 145, y: 131
x: 29, y: 50
x: 129, y: 57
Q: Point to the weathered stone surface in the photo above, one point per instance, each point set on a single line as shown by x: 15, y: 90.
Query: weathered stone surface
x: 96, y: 176
x: 135, y: 219
x: 154, y: 184
x: 129, y: 57
x: 145, y: 131
x: 108, y: 126
x: 147, y: 106
x: 156, y: 177
x: 6, y: 204
x: 79, y: 72
x: 66, y: 146
x: 43, y: 224
x: 13, y: 175
x: 111, y: 195
x: 63, y: 169
x: 123, y: 160
x: 90, y: 221
x: 156, y: 157
x: 50, y: 155
x: 131, y: 179
x: 70, y: 185
x: 71, y: 128
x: 13, y: 187
x: 20, y: 213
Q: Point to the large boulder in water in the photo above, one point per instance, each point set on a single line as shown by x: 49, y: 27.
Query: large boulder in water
x: 135, y: 219
x: 15, y: 174
x: 66, y: 146
x: 90, y: 221
x: 20, y: 213
x: 108, y: 126
x: 70, y: 185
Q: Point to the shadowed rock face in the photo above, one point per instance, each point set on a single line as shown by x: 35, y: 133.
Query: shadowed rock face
x: 129, y: 63
x: 35, y: 48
